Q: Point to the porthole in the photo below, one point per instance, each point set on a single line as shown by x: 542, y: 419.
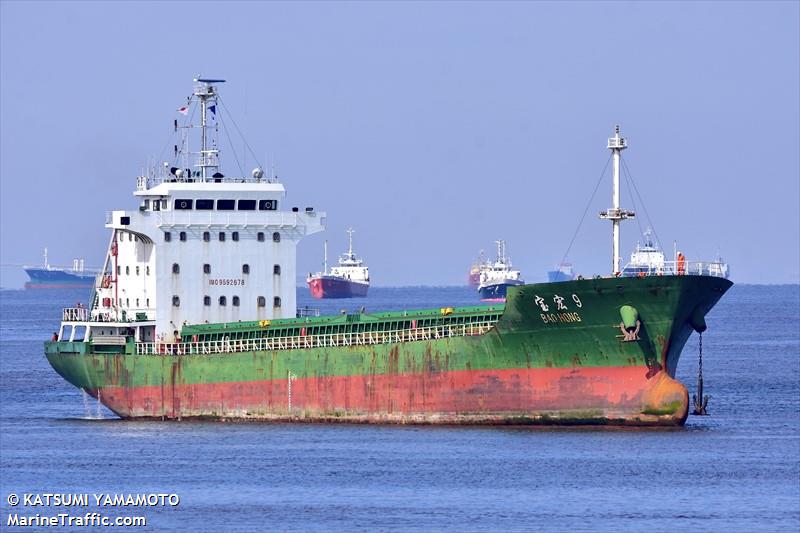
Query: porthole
x: 222, y: 301
x: 276, y: 237
x: 276, y: 302
x: 245, y: 268
x: 176, y: 268
x: 206, y: 300
x: 206, y: 269
x: 235, y: 301
x: 262, y: 302
x: 182, y: 236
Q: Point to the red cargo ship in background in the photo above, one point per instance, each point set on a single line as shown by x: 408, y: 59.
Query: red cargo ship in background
x: 474, y: 276
x: 348, y: 280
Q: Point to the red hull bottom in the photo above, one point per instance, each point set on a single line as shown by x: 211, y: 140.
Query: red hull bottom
x: 621, y: 395
x: 331, y: 287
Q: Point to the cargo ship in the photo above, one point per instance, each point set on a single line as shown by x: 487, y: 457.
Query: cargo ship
x: 348, y: 280
x: 194, y: 317
x: 53, y: 277
x: 474, y: 275
x: 497, y: 277
x: 564, y: 272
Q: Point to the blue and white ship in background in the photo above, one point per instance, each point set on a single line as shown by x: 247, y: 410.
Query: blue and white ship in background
x: 564, y: 272
x: 498, y: 276
x: 53, y: 277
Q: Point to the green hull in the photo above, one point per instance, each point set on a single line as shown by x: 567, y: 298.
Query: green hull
x: 557, y: 354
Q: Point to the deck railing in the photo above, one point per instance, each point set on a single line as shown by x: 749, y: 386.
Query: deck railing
x: 688, y: 268
x: 313, y: 341
x: 75, y: 314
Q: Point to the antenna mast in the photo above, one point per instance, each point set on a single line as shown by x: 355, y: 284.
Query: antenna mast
x: 205, y: 92
x: 616, y: 144
x: 350, y: 235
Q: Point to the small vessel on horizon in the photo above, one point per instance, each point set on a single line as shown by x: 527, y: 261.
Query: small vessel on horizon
x: 563, y: 272
x: 348, y: 280
x: 474, y: 276
x: 498, y: 276
x: 55, y: 277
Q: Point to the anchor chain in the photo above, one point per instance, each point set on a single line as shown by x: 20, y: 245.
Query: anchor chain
x: 700, y: 401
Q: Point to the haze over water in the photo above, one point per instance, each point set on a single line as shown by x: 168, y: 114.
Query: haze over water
x: 736, y: 470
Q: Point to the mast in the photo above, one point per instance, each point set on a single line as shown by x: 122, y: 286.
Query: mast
x: 325, y: 260
x: 350, y: 235
x: 205, y: 92
x: 616, y: 144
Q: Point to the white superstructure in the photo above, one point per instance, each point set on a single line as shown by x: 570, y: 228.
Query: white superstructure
x: 501, y: 270
x: 201, y: 247
x: 351, y: 267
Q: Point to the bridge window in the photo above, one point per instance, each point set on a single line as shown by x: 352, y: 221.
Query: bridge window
x: 226, y: 205
x: 205, y: 205
x: 176, y: 268
x: 276, y: 302
x: 221, y: 236
x: 206, y: 268
x: 276, y: 237
x: 262, y: 302
x: 222, y: 301
x: 235, y: 301
x: 206, y: 300
x: 182, y: 236
x: 167, y: 236
x: 247, y: 205
x: 245, y: 268
x: 206, y: 236
x: 235, y: 236
x: 183, y: 204
x: 260, y: 236
x: 267, y: 205
x: 276, y: 269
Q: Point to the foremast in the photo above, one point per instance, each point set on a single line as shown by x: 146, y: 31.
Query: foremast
x: 615, y: 214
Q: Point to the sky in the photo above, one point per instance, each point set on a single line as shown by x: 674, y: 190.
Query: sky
x: 433, y: 129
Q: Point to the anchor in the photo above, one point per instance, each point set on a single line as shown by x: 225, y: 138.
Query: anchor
x: 700, y: 405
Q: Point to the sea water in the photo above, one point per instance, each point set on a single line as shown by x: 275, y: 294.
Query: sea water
x: 735, y: 470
